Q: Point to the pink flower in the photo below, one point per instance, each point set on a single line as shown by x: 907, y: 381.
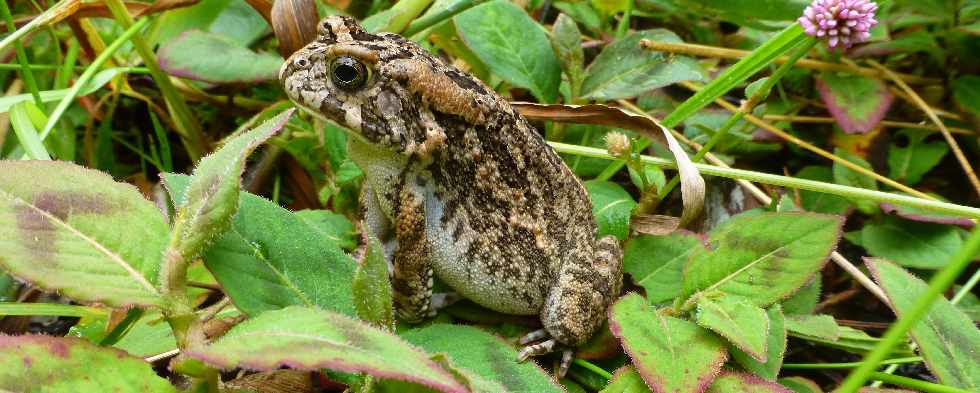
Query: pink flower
x: 841, y: 22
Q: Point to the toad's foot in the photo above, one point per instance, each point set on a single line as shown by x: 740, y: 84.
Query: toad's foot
x: 545, y: 344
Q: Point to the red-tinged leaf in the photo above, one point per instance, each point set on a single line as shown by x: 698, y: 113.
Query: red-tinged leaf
x: 671, y: 354
x: 731, y: 382
x: 918, y: 215
x: 58, y: 364
x: 310, y: 338
x: 626, y: 380
x: 800, y: 385
x: 743, y: 324
x: 858, y: 103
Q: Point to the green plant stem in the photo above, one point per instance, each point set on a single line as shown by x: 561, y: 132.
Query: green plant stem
x: 896, y: 333
x: 34, y: 24
x: 51, y: 309
x: 821, y: 366
x: 426, y: 22
x: 966, y: 288
x: 187, y: 126
x: 786, y: 181
x: 88, y: 74
x: 25, y: 72
x: 745, y: 108
x: 917, y: 384
x: 595, y: 369
x: 760, y: 58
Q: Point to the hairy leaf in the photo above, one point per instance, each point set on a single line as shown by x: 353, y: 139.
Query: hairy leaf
x: 626, y: 380
x: 800, y: 385
x: 657, y: 263
x: 743, y: 324
x: 857, y: 102
x: 371, y: 288
x: 775, y: 348
x: 730, y: 382
x: 75, y: 230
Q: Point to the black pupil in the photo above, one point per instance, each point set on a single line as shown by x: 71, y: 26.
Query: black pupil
x: 345, y: 73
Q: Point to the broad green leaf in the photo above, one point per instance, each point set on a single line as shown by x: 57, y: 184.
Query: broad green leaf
x: 309, y: 338
x: 908, y: 161
x: 566, y: 41
x: 334, y: 226
x: 764, y: 257
x: 148, y: 336
x: 582, y: 12
x: 731, y: 382
x: 912, y: 244
x: 800, y: 385
x: 822, y: 326
x: 234, y: 19
x: 626, y: 380
x: 93, y: 84
x: 747, y: 11
x: 857, y: 102
x: 57, y: 364
x: 624, y: 70
x: 75, y: 230
x: 948, y: 340
x: 805, y: 300
x: 671, y: 354
x: 22, y: 118
x: 966, y: 92
x: 482, y: 354
x: 492, y: 29
x: 611, y: 206
x: 212, y: 195
x: 271, y: 259
x: 820, y: 202
x: 775, y: 348
x: 743, y: 324
x: 845, y: 176
x: 657, y: 263
x: 192, y: 55
x: 371, y: 288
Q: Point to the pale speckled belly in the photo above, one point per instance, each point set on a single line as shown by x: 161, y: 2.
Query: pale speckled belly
x: 471, y: 278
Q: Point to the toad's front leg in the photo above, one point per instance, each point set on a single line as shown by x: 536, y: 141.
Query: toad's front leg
x: 412, y: 260
x: 577, y: 303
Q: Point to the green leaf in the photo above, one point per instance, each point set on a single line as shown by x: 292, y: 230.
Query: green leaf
x: 731, y: 382
x: 764, y: 257
x: 747, y: 11
x: 848, y: 177
x: 912, y: 244
x: 819, y: 202
x: 22, y: 118
x: 566, y: 41
x: 309, y: 339
x: 626, y: 380
x: 234, y: 19
x: 624, y: 70
x: 805, y: 300
x: 672, y: 355
x: 334, y: 226
x: 857, y: 102
x: 56, y: 364
x: 93, y: 84
x: 582, y: 12
x: 492, y: 29
x: 909, y: 161
x: 75, y: 230
x: 948, y: 340
x: 657, y: 263
x: 775, y: 348
x: 611, y: 206
x: 800, y: 385
x: 966, y: 92
x: 271, y: 258
x: 192, y: 55
x: 371, y: 288
x: 212, y: 195
x: 821, y: 326
x: 482, y: 354
x: 743, y: 324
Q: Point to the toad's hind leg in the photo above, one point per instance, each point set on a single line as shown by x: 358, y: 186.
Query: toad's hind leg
x: 576, y: 305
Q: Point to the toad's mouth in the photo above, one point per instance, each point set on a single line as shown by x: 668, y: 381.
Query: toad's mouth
x: 317, y: 114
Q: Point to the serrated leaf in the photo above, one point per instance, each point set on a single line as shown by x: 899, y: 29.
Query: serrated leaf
x: 908, y: 162
x: 848, y: 177
x: 657, y: 263
x: 212, y: 195
x: 309, y: 339
x: 671, y: 354
x: 304, y: 267
x: 482, y: 354
x: 743, y: 324
x: 764, y: 257
x: 948, y: 340
x: 371, y: 288
x: 192, y: 55
x: 612, y: 207
x: 857, y: 102
x: 58, y: 364
x: 489, y: 30
x: 626, y: 380
x: 775, y: 348
x: 966, y: 92
x: 730, y: 382
x: 75, y: 230
x: 624, y: 70
x: 912, y: 244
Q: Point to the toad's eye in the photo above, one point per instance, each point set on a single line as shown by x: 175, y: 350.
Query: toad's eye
x: 348, y: 73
